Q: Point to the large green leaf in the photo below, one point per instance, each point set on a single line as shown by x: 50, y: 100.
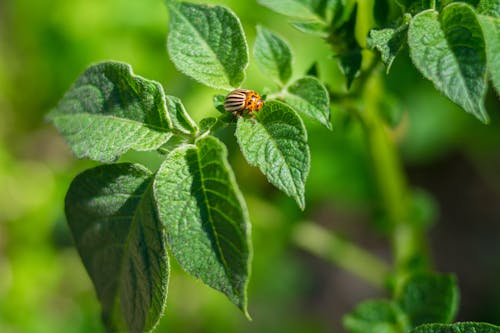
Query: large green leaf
x: 448, y: 48
x: 376, y: 316
x: 313, y: 10
x: 273, y: 55
x: 457, y: 328
x: 429, y: 298
x: 205, y: 217
x: 207, y: 43
x: 109, y: 110
x: 490, y: 22
x: 310, y: 97
x: 276, y: 142
x: 112, y: 216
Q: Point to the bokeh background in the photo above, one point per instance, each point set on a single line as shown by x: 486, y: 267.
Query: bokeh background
x: 448, y: 155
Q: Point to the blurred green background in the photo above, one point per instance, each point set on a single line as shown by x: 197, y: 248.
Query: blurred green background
x: 46, y: 44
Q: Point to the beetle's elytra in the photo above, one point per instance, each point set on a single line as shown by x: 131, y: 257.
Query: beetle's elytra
x: 241, y: 100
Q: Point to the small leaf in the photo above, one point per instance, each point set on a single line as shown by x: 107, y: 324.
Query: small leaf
x: 491, y: 31
x: 448, y: 49
x: 429, y: 298
x: 388, y: 42
x: 205, y: 217
x: 277, y: 144
x: 376, y: 316
x: 457, y: 328
x: 313, y: 10
x: 207, y: 43
x: 111, y: 214
x: 179, y: 116
x: 310, y: 97
x: 273, y: 55
x: 109, y: 110
x: 218, y: 102
x: 319, y: 29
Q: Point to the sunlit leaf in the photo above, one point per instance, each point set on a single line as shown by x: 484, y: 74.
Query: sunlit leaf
x: 310, y: 97
x: 273, y: 55
x: 276, y: 142
x: 207, y: 43
x: 448, y: 48
x: 205, y: 217
x: 109, y: 110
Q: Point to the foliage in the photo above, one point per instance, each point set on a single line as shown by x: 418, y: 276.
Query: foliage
x: 125, y: 218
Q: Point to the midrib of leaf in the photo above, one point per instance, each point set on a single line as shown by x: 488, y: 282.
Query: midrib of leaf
x: 280, y: 153
x: 124, y: 120
x: 209, y: 212
x: 205, y: 44
x: 457, y: 63
x: 126, y: 249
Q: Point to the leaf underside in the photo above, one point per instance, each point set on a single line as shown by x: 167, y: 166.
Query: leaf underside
x: 205, y: 217
x: 112, y: 216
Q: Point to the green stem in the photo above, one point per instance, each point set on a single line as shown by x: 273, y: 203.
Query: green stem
x: 406, y: 237
x: 341, y: 252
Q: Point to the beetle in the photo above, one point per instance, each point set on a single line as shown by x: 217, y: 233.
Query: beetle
x: 239, y: 100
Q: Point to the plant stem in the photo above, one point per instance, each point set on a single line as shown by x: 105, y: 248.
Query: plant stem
x: 326, y: 244
x: 406, y: 237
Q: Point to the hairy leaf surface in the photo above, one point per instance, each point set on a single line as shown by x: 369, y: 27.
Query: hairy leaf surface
x: 205, y: 217
x: 310, y: 97
x: 181, y: 120
x: 490, y: 23
x: 388, y: 42
x: 448, y: 48
x: 207, y: 43
x: 109, y: 110
x: 276, y: 142
x: 273, y: 55
x: 457, y: 328
x: 112, y: 216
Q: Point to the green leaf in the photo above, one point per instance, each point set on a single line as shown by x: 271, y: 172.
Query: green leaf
x: 376, y: 316
x: 207, y: 43
x: 489, y: 8
x: 319, y: 29
x: 429, y: 298
x: 457, y: 328
x: 180, y: 118
x: 491, y: 31
x: 310, y: 97
x: 112, y: 216
x: 313, y: 10
x: 276, y: 142
x: 273, y: 55
x: 205, y: 217
x: 109, y: 110
x: 389, y: 42
x: 448, y: 49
